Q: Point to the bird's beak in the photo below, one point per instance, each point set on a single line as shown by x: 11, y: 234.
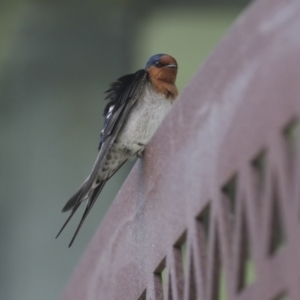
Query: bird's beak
x: 172, y: 66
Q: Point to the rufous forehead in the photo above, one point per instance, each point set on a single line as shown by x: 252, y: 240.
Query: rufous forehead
x: 167, y: 60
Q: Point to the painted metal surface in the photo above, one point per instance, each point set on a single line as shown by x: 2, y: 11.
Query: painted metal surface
x: 215, y: 201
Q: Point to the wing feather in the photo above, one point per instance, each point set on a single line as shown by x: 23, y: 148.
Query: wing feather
x: 122, y: 96
x: 123, y: 104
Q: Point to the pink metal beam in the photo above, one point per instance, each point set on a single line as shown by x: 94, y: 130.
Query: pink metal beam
x: 215, y: 201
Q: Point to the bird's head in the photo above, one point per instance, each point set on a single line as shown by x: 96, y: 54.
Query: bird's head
x: 162, y: 67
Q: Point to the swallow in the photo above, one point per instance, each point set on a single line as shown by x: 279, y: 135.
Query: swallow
x: 137, y: 104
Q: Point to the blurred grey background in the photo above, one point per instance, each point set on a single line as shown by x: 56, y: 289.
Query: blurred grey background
x: 56, y: 60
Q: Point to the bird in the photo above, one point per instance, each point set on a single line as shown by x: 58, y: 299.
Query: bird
x: 137, y: 104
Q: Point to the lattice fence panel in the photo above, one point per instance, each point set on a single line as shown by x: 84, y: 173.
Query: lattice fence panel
x: 246, y: 242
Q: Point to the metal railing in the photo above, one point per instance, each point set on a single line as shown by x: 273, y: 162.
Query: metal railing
x: 213, y: 209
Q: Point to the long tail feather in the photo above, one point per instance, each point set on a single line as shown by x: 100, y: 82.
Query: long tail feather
x: 69, y: 218
x: 92, y: 199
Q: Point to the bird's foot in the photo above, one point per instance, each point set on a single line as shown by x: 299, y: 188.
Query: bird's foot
x: 140, y: 152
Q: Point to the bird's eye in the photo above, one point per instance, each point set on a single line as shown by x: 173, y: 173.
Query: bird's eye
x: 158, y: 64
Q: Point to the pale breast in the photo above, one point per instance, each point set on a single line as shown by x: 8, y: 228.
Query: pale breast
x: 144, y: 119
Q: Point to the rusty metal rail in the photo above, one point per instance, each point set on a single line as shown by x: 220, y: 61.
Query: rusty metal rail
x: 213, y: 210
